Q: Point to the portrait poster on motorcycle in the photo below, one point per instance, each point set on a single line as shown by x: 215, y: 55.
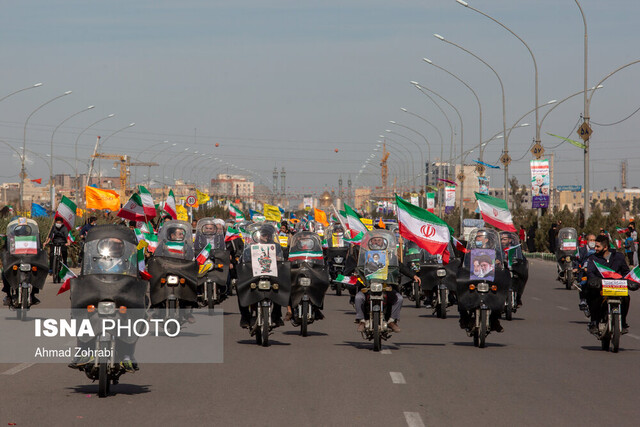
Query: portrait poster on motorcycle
x: 377, y: 266
x: 483, y: 263
x: 539, y: 184
x: 263, y: 260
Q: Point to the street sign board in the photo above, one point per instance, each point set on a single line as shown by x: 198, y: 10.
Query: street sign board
x: 505, y: 159
x: 585, y: 131
x: 191, y: 200
x: 537, y: 150
x: 461, y: 176
x: 480, y: 169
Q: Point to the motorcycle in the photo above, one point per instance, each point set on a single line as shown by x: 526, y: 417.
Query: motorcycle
x: 57, y: 262
x: 517, y: 266
x: 610, y: 322
x: 309, y: 278
x: 482, y: 282
x: 438, y: 279
x: 336, y: 255
x: 174, y: 273
x: 212, y: 280
x: 108, y: 287
x: 567, y: 248
x: 264, y: 278
x: 25, y: 264
x: 378, y: 269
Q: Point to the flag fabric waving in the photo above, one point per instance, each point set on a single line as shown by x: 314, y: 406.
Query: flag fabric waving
x: 231, y: 234
x: 358, y: 229
x: 606, y: 272
x: 634, y: 275
x: 235, y: 212
x: 203, y: 256
x: 67, y: 211
x: 495, y: 212
x: 203, y: 198
x: 133, y: 210
x: 347, y: 280
x: 423, y: 228
x: 320, y: 216
x: 511, y: 252
x: 37, y: 181
x: 37, y: 210
x: 98, y: 198
x: 170, y: 206
x: 147, y: 203
x: 305, y: 255
x: 26, y: 245
x: 458, y: 245
x: 65, y: 277
x: 272, y: 213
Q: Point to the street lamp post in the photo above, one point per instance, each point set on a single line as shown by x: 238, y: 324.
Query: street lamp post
x: 423, y: 176
x: 413, y: 172
x: 24, y: 144
x: 585, y: 119
x: 21, y: 90
x: 51, y: 185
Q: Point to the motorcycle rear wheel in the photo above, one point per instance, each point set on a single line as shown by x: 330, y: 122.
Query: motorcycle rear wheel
x: 24, y: 306
x: 416, y: 293
x: 442, y: 308
x: 210, y: 303
x: 482, y: 333
x: 265, y: 327
x: 508, y: 308
x: 338, y: 289
x: 304, y: 319
x: 616, y: 332
x: 103, y: 379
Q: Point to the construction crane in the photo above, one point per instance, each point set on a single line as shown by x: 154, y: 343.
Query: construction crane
x: 384, y: 171
x: 124, y: 162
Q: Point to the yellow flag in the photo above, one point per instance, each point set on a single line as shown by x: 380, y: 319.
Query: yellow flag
x: 320, y: 216
x: 181, y: 211
x: 98, y: 198
x: 202, y: 197
x: 272, y: 213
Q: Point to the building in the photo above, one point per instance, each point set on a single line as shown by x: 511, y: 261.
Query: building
x: 235, y: 186
x: 574, y: 200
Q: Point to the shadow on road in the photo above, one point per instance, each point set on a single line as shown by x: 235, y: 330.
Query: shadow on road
x: 271, y: 342
x: 126, y: 389
x: 386, y: 345
x: 579, y: 322
x: 470, y: 344
x: 599, y: 348
x: 309, y: 333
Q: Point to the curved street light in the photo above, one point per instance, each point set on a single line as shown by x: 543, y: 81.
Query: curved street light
x: 422, y: 169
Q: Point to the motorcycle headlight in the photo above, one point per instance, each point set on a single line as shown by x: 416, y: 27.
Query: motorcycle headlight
x: 172, y: 280
x: 305, y: 281
x: 568, y: 259
x: 264, y: 285
x: 376, y: 287
x: 338, y: 260
x: 106, y: 308
x: 25, y: 267
x: 441, y: 272
x: 483, y: 287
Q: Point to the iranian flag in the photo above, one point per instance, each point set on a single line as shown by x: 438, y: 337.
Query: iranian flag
x: 510, y: 252
x: 70, y: 238
x: 147, y: 203
x: 67, y: 211
x: 235, y: 212
x: 231, y: 234
x: 606, y: 272
x: 424, y: 228
x: 133, y: 210
x: 152, y: 240
x: 459, y: 246
x: 622, y: 230
x: 203, y: 256
x: 495, y: 212
x: 142, y: 268
x: 26, y: 245
x: 347, y: 280
x: 175, y: 247
x: 357, y: 228
x: 65, y: 277
x: 170, y: 205
x: 431, y: 202
x: 634, y: 275
x: 306, y: 256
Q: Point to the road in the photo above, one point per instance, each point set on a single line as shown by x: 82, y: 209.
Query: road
x: 545, y: 369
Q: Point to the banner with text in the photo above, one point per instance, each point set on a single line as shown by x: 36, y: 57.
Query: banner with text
x: 449, y: 198
x: 540, y: 183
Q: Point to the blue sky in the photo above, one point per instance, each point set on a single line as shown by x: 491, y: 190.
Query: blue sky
x: 284, y: 83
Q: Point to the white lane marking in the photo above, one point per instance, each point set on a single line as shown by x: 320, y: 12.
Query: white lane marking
x: 397, y: 378
x: 562, y: 308
x: 413, y: 419
x: 536, y: 298
x: 634, y: 336
x: 18, y: 368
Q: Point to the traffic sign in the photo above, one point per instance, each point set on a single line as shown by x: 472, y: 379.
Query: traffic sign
x: 461, y: 176
x: 505, y: 159
x: 191, y: 201
x: 585, y: 131
x: 480, y: 169
x: 537, y: 150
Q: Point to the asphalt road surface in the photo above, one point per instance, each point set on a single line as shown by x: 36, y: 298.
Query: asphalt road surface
x: 544, y: 369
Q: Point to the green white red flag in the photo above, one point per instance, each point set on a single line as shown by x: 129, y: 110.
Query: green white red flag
x: 25, y: 245
x: 236, y: 213
x: 511, y: 252
x: 347, y: 280
x: 70, y: 238
x: 148, y: 206
x: 141, y: 265
x: 357, y: 228
x: 606, y: 272
x: 231, y: 234
x: 133, y: 210
x: 203, y: 256
x: 634, y: 275
x: 306, y: 256
x: 170, y: 206
x: 423, y: 228
x: 495, y: 212
x: 459, y: 246
x: 175, y: 247
x: 67, y: 211
x: 65, y: 277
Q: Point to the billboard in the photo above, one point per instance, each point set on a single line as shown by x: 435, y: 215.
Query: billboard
x: 539, y: 183
x: 449, y: 198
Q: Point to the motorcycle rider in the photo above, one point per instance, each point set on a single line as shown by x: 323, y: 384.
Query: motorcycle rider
x: 584, y: 253
x: 394, y: 297
x: 88, y: 226
x: 615, y: 261
x: 58, y: 237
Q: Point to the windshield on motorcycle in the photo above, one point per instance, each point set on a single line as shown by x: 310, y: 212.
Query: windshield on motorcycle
x: 23, y: 237
x: 210, y: 230
x: 484, y: 254
x: 175, y: 241
x: 259, y: 236
x: 110, y: 255
x: 510, y: 244
x: 414, y: 253
x: 334, y: 236
x: 567, y: 240
x: 306, y: 246
x: 378, y: 259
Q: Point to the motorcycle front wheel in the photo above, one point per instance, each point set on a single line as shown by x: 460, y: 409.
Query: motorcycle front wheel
x: 377, y: 339
x: 616, y: 332
x: 443, y: 304
x: 482, y: 333
x: 266, y: 320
